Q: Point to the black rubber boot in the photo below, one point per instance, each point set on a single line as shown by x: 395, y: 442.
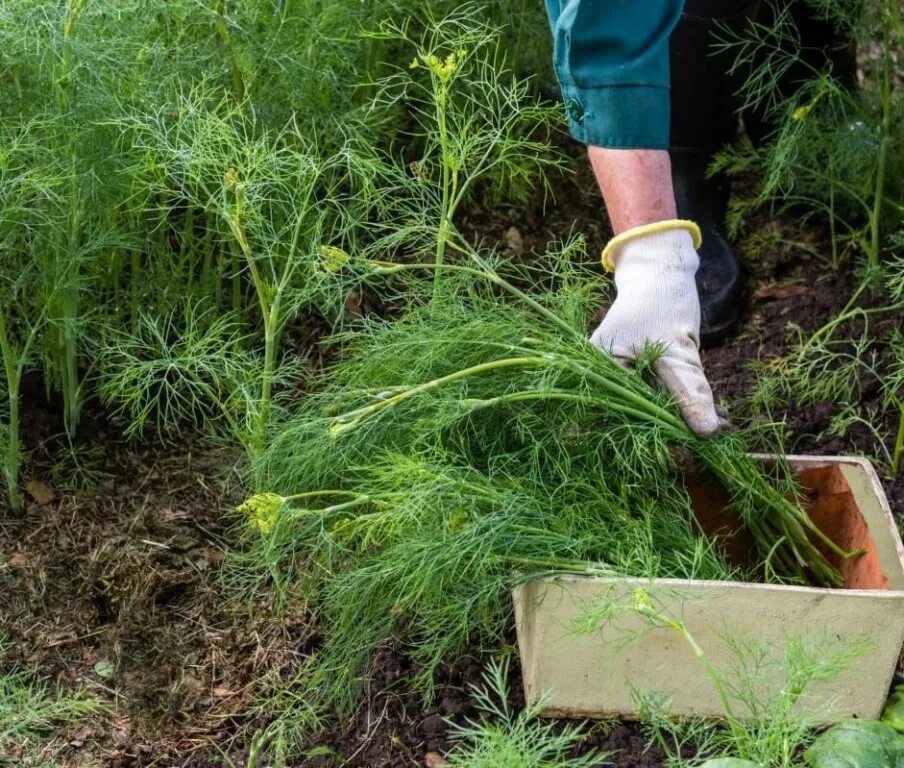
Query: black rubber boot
x: 720, y: 278
x: 704, y: 120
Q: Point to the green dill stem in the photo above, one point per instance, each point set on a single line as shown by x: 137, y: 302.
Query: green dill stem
x: 62, y: 81
x: 235, y: 278
x: 259, y: 742
x: 314, y: 494
x: 12, y: 455
x: 637, y: 406
x: 270, y: 345
x: 886, y: 90
x: 833, y: 235
x: 898, y: 452
x: 753, y: 483
x: 269, y: 315
x: 69, y: 380
x: 449, y: 180
x: 134, y: 289
x: 235, y: 70
x: 332, y: 509
x: 209, y: 285
x: 733, y: 723
x: 876, y: 216
x: 188, y: 249
x: 551, y: 394
x: 14, y: 365
x: 653, y: 412
x: 661, y: 619
x: 350, y: 420
x: 651, y: 409
x: 491, y: 277
x: 558, y: 566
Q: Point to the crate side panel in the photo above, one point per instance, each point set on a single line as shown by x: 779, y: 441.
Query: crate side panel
x: 596, y: 674
x: 877, y: 514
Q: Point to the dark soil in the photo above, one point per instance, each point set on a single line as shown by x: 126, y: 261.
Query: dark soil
x: 110, y: 579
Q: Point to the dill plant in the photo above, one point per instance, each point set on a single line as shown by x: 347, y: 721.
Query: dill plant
x: 478, y: 440
x: 285, y: 212
x: 173, y: 372
x: 835, y: 154
x: 31, y: 201
x: 835, y: 149
x: 514, y: 739
x: 57, y: 98
x: 29, y: 709
x: 475, y: 122
x: 271, y: 199
x: 821, y: 367
x: 107, y: 90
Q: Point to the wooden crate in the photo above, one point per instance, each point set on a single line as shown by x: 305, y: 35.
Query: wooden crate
x: 593, y: 675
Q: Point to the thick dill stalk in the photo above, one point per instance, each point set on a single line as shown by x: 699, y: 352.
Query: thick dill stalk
x: 12, y: 453
x: 898, y: 452
x: 14, y: 361
x: 235, y: 68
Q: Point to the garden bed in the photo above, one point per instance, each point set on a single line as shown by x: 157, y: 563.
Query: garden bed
x: 125, y: 571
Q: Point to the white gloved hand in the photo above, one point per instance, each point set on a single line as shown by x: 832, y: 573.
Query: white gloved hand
x: 657, y: 302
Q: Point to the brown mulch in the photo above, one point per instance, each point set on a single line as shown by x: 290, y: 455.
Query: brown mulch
x: 116, y: 589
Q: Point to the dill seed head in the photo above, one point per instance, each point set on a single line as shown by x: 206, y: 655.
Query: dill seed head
x: 262, y: 510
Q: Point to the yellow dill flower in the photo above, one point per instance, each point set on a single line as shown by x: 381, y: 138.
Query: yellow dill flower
x: 442, y: 69
x: 231, y: 179
x: 801, y: 112
x: 262, y: 510
x: 458, y: 521
x: 642, y: 601
x: 332, y: 259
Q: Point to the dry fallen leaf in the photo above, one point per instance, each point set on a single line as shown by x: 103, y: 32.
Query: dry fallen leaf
x: 513, y: 241
x: 779, y: 291
x: 353, y: 304
x: 18, y: 560
x: 39, y: 492
x: 435, y: 760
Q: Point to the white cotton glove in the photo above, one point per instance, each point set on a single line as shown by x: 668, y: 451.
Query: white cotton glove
x: 657, y: 302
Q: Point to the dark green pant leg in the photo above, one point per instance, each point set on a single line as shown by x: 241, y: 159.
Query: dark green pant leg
x: 612, y: 62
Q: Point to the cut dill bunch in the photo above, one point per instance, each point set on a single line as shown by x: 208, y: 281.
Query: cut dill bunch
x: 476, y: 443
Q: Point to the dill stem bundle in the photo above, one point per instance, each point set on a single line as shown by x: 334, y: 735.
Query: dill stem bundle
x: 781, y: 528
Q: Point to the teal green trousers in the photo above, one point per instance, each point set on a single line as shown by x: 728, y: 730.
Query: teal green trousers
x: 612, y: 62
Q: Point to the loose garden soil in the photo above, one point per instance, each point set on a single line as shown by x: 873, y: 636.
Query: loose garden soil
x: 110, y: 578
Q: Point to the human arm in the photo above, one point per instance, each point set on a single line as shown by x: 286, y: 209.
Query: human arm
x: 612, y: 62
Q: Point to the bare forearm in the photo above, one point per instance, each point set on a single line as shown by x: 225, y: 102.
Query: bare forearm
x: 636, y: 185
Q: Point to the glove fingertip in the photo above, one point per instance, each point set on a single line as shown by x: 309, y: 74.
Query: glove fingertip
x: 704, y: 425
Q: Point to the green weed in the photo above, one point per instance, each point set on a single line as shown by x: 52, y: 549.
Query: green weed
x: 515, y: 739
x: 29, y: 711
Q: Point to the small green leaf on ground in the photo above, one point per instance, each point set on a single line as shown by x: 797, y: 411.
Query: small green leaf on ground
x: 105, y: 669
x: 857, y: 744
x: 893, y: 714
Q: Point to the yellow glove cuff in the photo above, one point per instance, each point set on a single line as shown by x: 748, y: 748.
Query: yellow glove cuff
x: 648, y: 229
